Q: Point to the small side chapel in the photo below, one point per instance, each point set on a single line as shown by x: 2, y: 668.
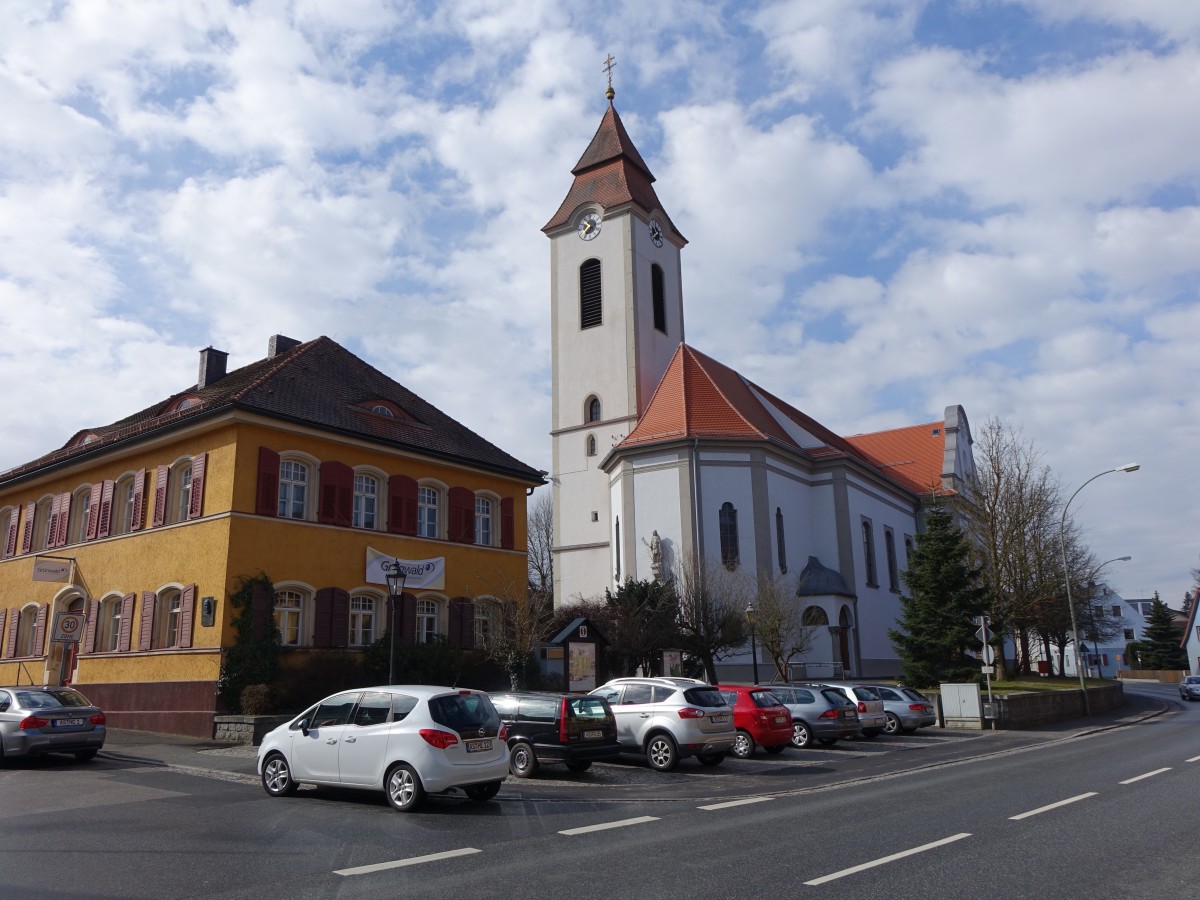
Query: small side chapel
x: 663, y: 454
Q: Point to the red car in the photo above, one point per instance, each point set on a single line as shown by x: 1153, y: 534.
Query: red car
x: 760, y: 719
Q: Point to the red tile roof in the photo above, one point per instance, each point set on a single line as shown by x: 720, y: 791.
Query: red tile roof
x: 699, y: 397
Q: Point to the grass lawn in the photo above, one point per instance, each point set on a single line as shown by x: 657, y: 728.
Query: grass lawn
x: 1036, y: 683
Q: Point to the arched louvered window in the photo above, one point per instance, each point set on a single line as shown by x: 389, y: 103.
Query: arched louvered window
x: 779, y: 541
x: 591, y: 445
x: 656, y: 293
x: 593, y: 409
x: 729, y: 536
x: 590, y: 307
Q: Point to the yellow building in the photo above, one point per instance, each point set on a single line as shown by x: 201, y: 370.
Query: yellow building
x: 310, y: 466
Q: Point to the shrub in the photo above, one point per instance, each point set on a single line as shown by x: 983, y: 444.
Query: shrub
x: 256, y: 699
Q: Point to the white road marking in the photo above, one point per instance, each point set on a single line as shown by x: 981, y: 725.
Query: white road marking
x: 1193, y: 759
x: 411, y: 861
x: 587, y: 829
x: 1042, y: 809
x: 730, y: 803
x: 1147, y: 775
x: 887, y: 859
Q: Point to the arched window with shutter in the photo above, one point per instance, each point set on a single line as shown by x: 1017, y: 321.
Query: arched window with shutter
x: 590, y: 296
x: 656, y: 294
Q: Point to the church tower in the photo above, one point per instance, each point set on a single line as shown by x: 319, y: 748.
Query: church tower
x: 616, y: 320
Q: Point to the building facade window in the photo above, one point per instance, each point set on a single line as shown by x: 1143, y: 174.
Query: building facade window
x: 591, y: 445
x: 485, y: 626
x: 27, y: 633
x: 8, y: 518
x: 289, y: 614
x: 868, y: 541
x: 364, y: 616
x: 780, y: 545
x: 1129, y: 634
x: 483, y: 521
x: 366, y: 495
x: 41, y: 523
x: 591, y: 307
x: 166, y: 620
x: 293, y: 490
x: 180, y: 491
x: 727, y: 520
x: 427, y: 616
x: 81, y: 507
x: 123, y: 503
x: 593, y: 409
x: 108, y: 628
x: 427, y: 511
x: 659, y: 302
x: 889, y: 546
x: 1116, y: 611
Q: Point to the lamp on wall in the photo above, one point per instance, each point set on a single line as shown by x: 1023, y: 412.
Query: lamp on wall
x: 395, y: 574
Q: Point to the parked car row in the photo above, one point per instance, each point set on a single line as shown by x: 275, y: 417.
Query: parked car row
x: 413, y: 740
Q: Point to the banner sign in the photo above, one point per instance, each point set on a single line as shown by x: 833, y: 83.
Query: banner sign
x: 52, y: 570
x: 420, y: 573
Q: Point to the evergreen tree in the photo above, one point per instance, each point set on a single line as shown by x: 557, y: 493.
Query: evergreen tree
x: 936, y: 628
x: 1161, y: 639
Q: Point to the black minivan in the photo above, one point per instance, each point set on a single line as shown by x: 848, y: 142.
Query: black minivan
x: 574, y: 729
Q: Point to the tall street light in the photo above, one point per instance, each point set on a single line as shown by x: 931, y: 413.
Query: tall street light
x: 1062, y: 541
x: 751, y: 617
x: 395, y: 574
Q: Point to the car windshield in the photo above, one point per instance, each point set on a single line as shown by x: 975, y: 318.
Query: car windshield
x: 1192, y: 679
x: 704, y: 696
x: 588, y: 708
x: 914, y: 694
x: 50, y: 698
x: 836, y: 697
x: 865, y: 693
x: 464, y: 711
x: 764, y: 699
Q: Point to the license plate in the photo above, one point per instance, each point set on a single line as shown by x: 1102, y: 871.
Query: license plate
x: 67, y: 723
x: 478, y: 746
x: 779, y: 720
x: 593, y: 735
x: 847, y: 714
x: 718, y: 720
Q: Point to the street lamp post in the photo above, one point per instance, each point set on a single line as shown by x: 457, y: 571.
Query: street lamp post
x: 395, y: 574
x: 1062, y: 540
x: 751, y: 616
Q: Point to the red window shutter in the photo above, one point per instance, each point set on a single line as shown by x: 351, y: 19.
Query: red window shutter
x: 402, y: 505
x: 507, y: 523
x: 14, y: 528
x: 187, y: 608
x: 93, y: 522
x: 262, y: 607
x: 267, y: 502
x: 146, y: 631
x: 323, y: 618
x: 52, y: 529
x: 196, y: 503
x: 462, y: 622
x: 64, y: 519
x: 89, y: 630
x: 139, y: 502
x: 104, y: 523
x: 408, y: 618
x: 125, y: 637
x: 10, y: 640
x: 39, y: 631
x: 3, y: 618
x: 162, y: 474
x: 462, y: 515
x: 337, y: 494
x: 27, y: 537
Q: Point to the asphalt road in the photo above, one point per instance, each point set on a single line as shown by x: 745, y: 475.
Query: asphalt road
x: 1109, y: 814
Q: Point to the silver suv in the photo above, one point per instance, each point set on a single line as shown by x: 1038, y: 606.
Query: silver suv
x: 668, y: 719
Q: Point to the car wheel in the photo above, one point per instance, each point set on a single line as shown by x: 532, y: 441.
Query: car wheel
x: 893, y: 724
x: 777, y: 748
x: 661, y: 753
x: 710, y: 759
x: 481, y: 793
x: 522, y: 762
x: 801, y: 736
x: 827, y: 742
x: 85, y: 755
x: 579, y: 765
x: 403, y: 788
x: 277, y: 776
x: 743, y: 745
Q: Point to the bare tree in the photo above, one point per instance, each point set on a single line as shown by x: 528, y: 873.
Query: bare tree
x: 521, y: 623
x: 712, y: 610
x: 541, y: 542
x: 777, y: 623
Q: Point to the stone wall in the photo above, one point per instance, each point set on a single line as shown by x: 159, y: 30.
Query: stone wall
x: 1042, y: 707
x: 245, y: 729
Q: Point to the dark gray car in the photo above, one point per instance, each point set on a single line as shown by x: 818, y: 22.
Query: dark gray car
x: 1189, y: 688
x: 36, y: 720
x: 818, y: 714
x: 907, y: 709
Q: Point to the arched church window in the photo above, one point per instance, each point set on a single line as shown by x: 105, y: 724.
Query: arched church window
x: 781, y: 545
x: 593, y: 409
x: 656, y: 294
x: 591, y: 445
x: 729, y: 536
x: 590, y: 308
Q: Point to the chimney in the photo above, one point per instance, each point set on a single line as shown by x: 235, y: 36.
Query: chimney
x: 280, y: 344
x: 212, y: 366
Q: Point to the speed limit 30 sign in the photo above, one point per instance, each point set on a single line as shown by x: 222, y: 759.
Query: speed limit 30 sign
x: 68, y: 626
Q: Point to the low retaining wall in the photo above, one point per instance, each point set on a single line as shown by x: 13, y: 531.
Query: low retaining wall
x: 245, y: 729
x: 1042, y: 707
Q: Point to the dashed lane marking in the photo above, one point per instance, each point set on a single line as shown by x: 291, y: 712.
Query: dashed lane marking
x: 730, y: 803
x: 1042, y: 809
x: 887, y: 859
x: 1147, y: 775
x: 587, y: 829
x: 411, y: 861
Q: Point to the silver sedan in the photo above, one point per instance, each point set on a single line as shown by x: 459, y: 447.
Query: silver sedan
x: 36, y: 720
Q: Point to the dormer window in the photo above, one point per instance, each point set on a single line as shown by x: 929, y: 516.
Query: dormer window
x: 181, y: 404
x: 386, y: 408
x: 382, y: 410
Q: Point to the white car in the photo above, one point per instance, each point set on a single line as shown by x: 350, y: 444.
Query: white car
x: 404, y: 740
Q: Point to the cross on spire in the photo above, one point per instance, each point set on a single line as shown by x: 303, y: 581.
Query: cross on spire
x: 609, y: 62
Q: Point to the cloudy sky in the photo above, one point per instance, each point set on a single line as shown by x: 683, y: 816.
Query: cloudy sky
x: 893, y: 205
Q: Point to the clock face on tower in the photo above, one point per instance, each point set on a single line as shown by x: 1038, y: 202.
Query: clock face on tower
x: 589, y: 226
x: 656, y: 233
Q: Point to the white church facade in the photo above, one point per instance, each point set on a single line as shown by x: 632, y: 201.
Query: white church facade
x: 654, y: 440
